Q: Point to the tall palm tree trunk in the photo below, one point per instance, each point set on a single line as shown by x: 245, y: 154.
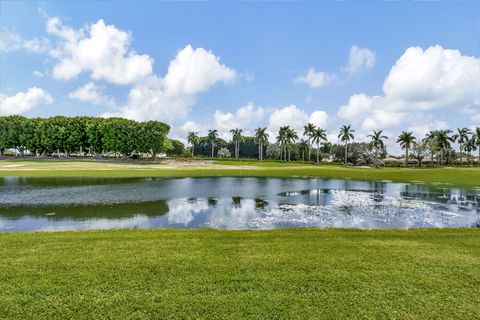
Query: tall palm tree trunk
x: 318, y: 152
x: 213, y: 149
x: 346, y: 148
x: 406, y: 156
x: 193, y: 148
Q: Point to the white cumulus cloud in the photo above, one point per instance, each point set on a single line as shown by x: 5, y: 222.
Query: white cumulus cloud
x: 92, y: 93
x: 194, y: 71
x: 99, y: 49
x: 11, y: 41
x: 420, y: 81
x: 316, y: 79
x: 170, y: 98
x: 296, y: 118
x: 359, y: 60
x: 246, y: 117
x: 24, y: 101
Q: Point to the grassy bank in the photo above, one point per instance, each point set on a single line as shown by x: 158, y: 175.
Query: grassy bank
x: 278, y: 274
x: 460, y: 176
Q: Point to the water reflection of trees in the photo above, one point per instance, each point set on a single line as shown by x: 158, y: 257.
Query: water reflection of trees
x: 260, y: 204
x: 212, y: 202
x: 462, y: 198
x: 83, y: 212
x: 237, y: 202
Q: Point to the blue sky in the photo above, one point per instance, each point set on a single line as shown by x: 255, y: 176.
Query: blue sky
x: 389, y: 65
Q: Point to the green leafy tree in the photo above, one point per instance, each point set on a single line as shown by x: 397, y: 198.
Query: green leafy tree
x: 178, y: 148
x: 32, y: 135
x: 4, y: 141
x: 121, y: 136
x: 54, y: 134
x: 420, y: 150
x: 94, y: 130
x: 76, y: 135
x: 152, y: 136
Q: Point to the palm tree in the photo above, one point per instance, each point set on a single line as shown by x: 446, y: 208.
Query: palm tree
x: 291, y: 137
x: 319, y: 135
x: 405, y: 139
x: 193, y: 139
x: 345, y: 135
x: 261, y: 136
x: 470, y: 146
x: 281, y: 140
x: 477, y: 141
x: 302, y: 146
x: 237, y: 138
x: 307, y: 132
x: 443, y: 141
x: 212, y: 136
x: 432, y: 143
x: 461, y: 137
x: 377, y: 142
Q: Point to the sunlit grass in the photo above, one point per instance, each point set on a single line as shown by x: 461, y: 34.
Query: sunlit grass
x: 277, y: 274
x: 452, y: 175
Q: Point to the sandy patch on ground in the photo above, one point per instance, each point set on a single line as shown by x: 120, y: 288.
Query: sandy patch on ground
x: 11, y: 165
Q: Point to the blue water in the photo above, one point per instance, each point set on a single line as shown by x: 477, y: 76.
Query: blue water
x: 49, y: 204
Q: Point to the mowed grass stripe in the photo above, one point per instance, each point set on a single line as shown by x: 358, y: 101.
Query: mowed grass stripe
x: 450, y: 175
x: 209, y: 274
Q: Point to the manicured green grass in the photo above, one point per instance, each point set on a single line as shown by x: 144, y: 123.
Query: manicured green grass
x: 262, y: 163
x: 277, y: 274
x: 453, y: 175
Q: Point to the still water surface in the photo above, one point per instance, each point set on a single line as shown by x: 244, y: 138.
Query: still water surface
x: 34, y: 204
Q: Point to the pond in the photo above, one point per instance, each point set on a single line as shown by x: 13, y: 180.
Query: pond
x: 48, y: 204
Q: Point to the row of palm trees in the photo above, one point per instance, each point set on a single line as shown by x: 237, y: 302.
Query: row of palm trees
x: 438, y: 142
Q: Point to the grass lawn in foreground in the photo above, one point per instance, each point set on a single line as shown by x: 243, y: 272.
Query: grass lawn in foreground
x: 276, y: 274
x: 467, y: 176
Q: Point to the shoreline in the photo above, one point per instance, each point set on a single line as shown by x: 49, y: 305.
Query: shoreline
x: 454, y: 176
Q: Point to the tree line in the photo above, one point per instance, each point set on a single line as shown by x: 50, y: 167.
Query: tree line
x: 119, y: 137
x: 85, y: 136
x: 436, y: 145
